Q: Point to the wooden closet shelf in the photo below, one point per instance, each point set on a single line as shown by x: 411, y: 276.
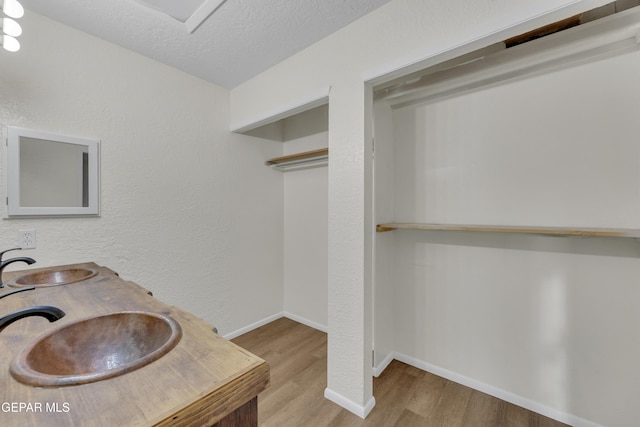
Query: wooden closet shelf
x: 298, y: 156
x: 553, y: 231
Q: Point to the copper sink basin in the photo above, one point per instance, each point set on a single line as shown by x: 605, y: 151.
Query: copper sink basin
x: 53, y: 277
x: 95, y: 349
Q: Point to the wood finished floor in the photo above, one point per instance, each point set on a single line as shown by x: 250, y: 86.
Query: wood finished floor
x: 405, y: 396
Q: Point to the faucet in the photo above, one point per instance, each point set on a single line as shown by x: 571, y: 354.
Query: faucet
x: 15, y: 291
x: 50, y: 313
x: 3, y: 264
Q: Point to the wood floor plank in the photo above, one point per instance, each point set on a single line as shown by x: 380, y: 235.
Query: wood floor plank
x: 405, y: 396
x: 263, y: 335
x: 410, y: 419
x: 282, y: 372
x: 452, y: 406
x: 269, y: 405
x: 483, y: 410
x: 426, y: 393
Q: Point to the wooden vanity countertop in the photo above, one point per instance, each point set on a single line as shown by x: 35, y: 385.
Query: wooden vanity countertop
x: 201, y: 381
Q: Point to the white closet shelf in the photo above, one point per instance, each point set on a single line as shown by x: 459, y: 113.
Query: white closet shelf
x: 549, y: 231
x: 304, y: 160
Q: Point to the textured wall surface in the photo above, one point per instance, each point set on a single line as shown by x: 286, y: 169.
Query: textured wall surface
x: 188, y: 210
x: 402, y: 35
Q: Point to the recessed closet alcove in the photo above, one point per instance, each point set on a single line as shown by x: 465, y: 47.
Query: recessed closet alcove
x: 479, y: 161
x: 303, y: 165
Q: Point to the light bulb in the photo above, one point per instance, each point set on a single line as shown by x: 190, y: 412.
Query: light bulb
x: 10, y: 43
x: 13, y: 9
x: 11, y: 27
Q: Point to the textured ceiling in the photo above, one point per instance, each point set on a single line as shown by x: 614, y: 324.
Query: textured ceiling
x: 239, y: 40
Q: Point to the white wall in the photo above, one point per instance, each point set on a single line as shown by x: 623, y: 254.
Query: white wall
x: 546, y: 322
x: 305, y: 222
x: 554, y: 150
x: 188, y: 209
x: 401, y: 36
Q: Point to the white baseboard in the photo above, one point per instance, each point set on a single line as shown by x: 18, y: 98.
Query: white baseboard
x: 377, y: 370
x: 251, y: 327
x: 496, y: 392
x: 360, y: 410
x: 269, y: 319
x: 307, y: 322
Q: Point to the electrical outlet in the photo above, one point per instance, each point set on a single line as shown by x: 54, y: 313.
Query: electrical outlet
x: 27, y: 239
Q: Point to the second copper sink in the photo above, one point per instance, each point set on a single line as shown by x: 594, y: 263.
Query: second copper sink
x: 95, y: 349
x: 54, y: 277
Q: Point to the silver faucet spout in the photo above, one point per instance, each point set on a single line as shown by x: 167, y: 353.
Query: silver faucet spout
x: 48, y: 312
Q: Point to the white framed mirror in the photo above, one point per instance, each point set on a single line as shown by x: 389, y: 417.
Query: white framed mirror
x: 50, y: 175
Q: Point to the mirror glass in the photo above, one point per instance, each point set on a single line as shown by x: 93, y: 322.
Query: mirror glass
x: 48, y: 174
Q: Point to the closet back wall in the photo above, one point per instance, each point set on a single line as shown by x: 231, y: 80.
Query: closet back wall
x: 306, y: 211
x: 552, y: 321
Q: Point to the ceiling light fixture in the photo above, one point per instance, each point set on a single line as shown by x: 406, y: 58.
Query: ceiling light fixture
x: 10, y: 43
x: 10, y: 28
x: 13, y: 9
